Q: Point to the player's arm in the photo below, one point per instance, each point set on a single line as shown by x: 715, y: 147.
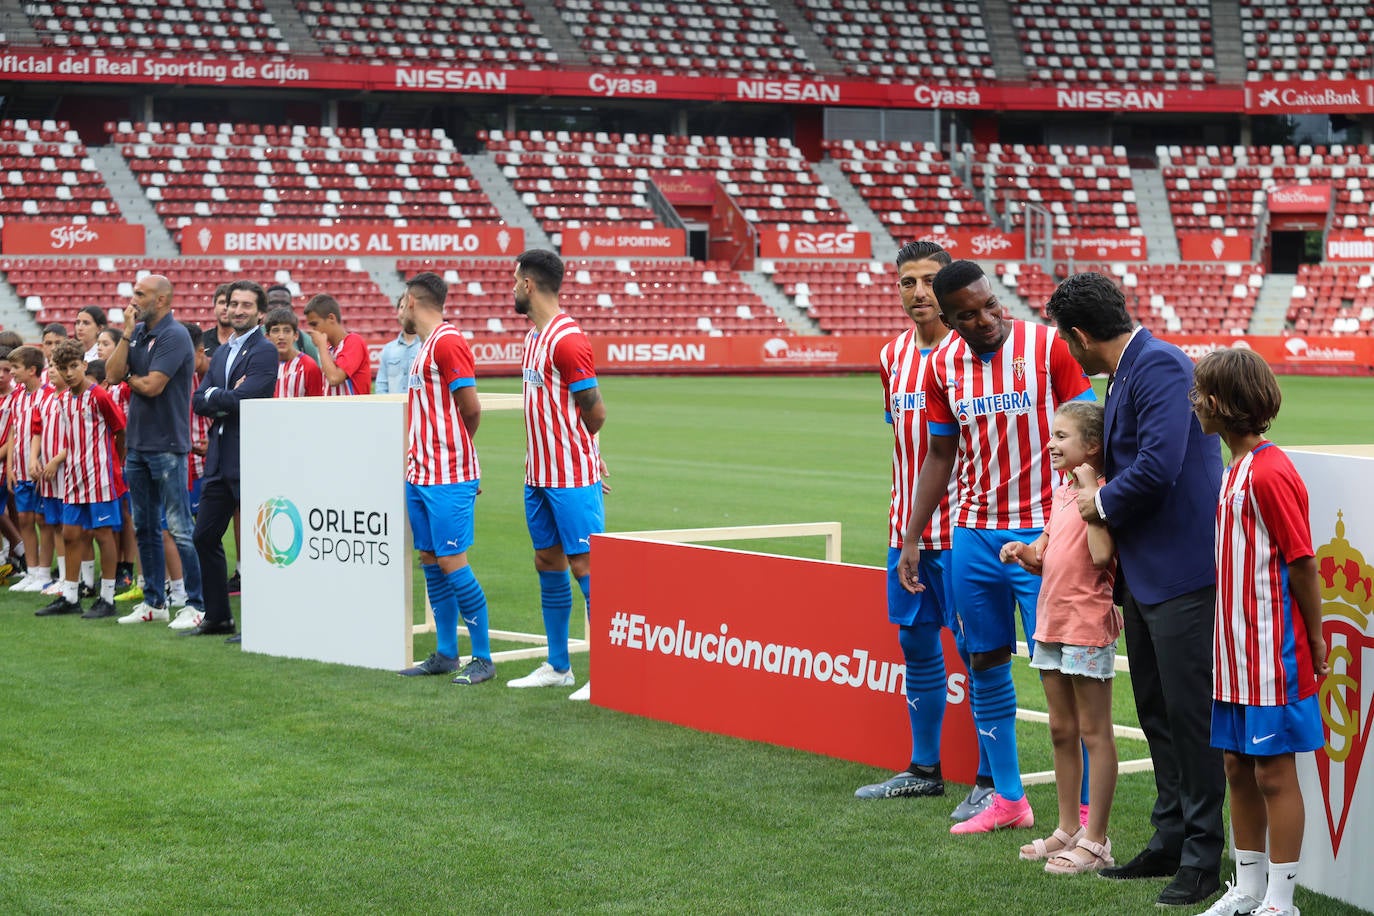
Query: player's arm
x: 334, y: 373
x: 117, y: 366
x: 932, y: 483
x: 591, y: 408
x: 469, y: 406
x: 119, y: 444
x: 1029, y: 556
x: 1306, y: 589
x: 50, y: 470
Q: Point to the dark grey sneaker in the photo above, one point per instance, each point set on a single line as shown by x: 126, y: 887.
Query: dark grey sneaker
x: 57, y: 606
x: 475, y: 672
x: 978, y: 798
x: 435, y: 664
x: 100, y: 609
x: 903, y: 785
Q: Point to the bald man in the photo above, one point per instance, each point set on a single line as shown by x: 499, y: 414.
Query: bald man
x: 157, y: 360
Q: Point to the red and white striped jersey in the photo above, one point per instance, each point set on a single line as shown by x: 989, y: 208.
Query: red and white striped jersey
x: 903, y: 366
x: 23, y: 426
x: 200, y: 429
x: 9, y: 403
x: 52, y: 420
x: 559, y: 452
x: 120, y: 395
x: 1001, y: 407
x: 299, y: 378
x: 1259, y: 649
x: 441, y: 449
x: 92, y: 465
x: 352, y: 357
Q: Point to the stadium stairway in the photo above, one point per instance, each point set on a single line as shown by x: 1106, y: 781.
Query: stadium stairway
x: 1227, y: 46
x: 1271, y: 308
x: 293, y: 28
x: 13, y: 315
x: 17, y: 28
x: 1152, y: 203
x: 506, y: 200
x: 796, y: 318
x: 133, y: 203
x: 884, y: 245
x: 556, y: 30
x: 384, y: 273
x: 1006, y: 50
x: 791, y: 16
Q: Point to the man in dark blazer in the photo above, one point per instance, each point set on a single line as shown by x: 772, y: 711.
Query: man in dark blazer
x: 1159, y: 501
x: 244, y: 367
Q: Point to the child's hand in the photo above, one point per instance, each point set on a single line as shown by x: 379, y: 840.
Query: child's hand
x: 1011, y: 551
x: 1317, y: 646
x: 1085, y: 477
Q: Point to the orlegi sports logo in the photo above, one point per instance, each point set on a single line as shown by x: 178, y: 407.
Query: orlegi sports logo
x: 334, y: 535
x: 279, y: 531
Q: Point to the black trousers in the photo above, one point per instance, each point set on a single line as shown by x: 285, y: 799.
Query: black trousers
x: 1169, y: 646
x: 218, y: 503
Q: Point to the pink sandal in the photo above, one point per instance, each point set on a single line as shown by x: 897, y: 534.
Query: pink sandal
x: 1037, y: 850
x: 1086, y: 856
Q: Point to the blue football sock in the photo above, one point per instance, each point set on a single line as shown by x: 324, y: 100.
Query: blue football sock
x: 555, y: 597
x: 472, y: 604
x: 1083, y: 791
x: 585, y: 583
x: 445, y: 603
x: 984, y: 767
x: 925, y: 690
x: 994, y: 713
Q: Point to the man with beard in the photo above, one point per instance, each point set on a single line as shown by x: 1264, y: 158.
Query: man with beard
x: 157, y: 360
x: 443, y: 479
x: 563, y: 466
x: 243, y: 368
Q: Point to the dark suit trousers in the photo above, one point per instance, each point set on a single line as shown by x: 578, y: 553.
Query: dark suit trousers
x: 218, y: 503
x: 1169, y: 646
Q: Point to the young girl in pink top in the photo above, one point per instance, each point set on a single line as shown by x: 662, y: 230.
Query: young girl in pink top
x: 1075, y: 645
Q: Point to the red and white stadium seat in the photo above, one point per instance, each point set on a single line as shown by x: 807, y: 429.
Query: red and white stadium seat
x: 844, y: 297
x: 498, y: 32
x: 47, y: 173
x: 1333, y: 299
x: 1306, y: 39
x: 909, y: 186
x: 1083, y: 187
x: 228, y: 27
x: 859, y: 34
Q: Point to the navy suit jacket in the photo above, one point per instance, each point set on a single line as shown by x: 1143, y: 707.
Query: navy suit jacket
x: 1163, y: 475
x: 253, y: 375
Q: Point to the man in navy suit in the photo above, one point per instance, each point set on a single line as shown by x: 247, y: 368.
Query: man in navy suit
x: 244, y: 367
x: 1163, y: 480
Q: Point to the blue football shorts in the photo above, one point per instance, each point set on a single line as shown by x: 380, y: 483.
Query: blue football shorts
x: 566, y: 516
x: 987, y: 592
x: 1267, y: 731
x: 441, y: 516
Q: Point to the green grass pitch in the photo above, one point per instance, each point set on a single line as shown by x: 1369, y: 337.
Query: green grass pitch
x: 145, y: 773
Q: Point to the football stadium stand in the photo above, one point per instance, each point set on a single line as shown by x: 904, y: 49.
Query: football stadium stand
x: 858, y: 34
x: 476, y: 31
x: 49, y: 173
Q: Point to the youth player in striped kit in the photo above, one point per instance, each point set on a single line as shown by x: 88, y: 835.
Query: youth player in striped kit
x: 990, y: 401
x: 298, y: 376
x: 94, y: 484
x: 903, y: 364
x: 26, y: 364
x: 49, y: 471
x: 344, y: 359
x: 1268, y: 648
x: 443, y: 479
x: 563, y: 466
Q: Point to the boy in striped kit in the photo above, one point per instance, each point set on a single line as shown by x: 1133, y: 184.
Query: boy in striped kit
x: 344, y: 360
x: 92, y: 459
x: 26, y: 365
x: 563, y: 466
x: 298, y: 376
x: 903, y: 364
x: 990, y: 398
x: 443, y: 479
x: 49, y: 443
x: 1268, y: 649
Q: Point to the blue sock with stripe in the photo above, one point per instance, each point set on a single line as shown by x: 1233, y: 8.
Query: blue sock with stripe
x: 1083, y: 790
x: 445, y: 603
x: 555, y: 598
x: 984, y: 767
x: 994, y: 714
x: 472, y: 604
x: 925, y: 690
x: 585, y: 583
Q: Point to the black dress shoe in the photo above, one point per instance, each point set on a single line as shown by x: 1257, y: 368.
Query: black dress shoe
x: 1148, y: 863
x: 212, y: 628
x: 58, y: 605
x: 1190, y: 886
x: 235, y: 639
x: 100, y: 609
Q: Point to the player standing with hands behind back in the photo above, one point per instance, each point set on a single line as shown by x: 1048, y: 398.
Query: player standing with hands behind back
x: 563, y: 466
x: 1268, y: 650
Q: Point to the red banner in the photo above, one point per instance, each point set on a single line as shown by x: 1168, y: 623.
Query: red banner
x: 989, y: 244
x: 351, y: 240
x: 686, y: 190
x: 1349, y: 246
x: 1300, y: 198
x: 747, y: 625
x: 1100, y: 246
x: 813, y: 243
x: 1297, y: 354
x: 45, y: 237
x: 1309, y: 96
x: 1214, y: 246
x: 331, y: 73
x: 624, y: 241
